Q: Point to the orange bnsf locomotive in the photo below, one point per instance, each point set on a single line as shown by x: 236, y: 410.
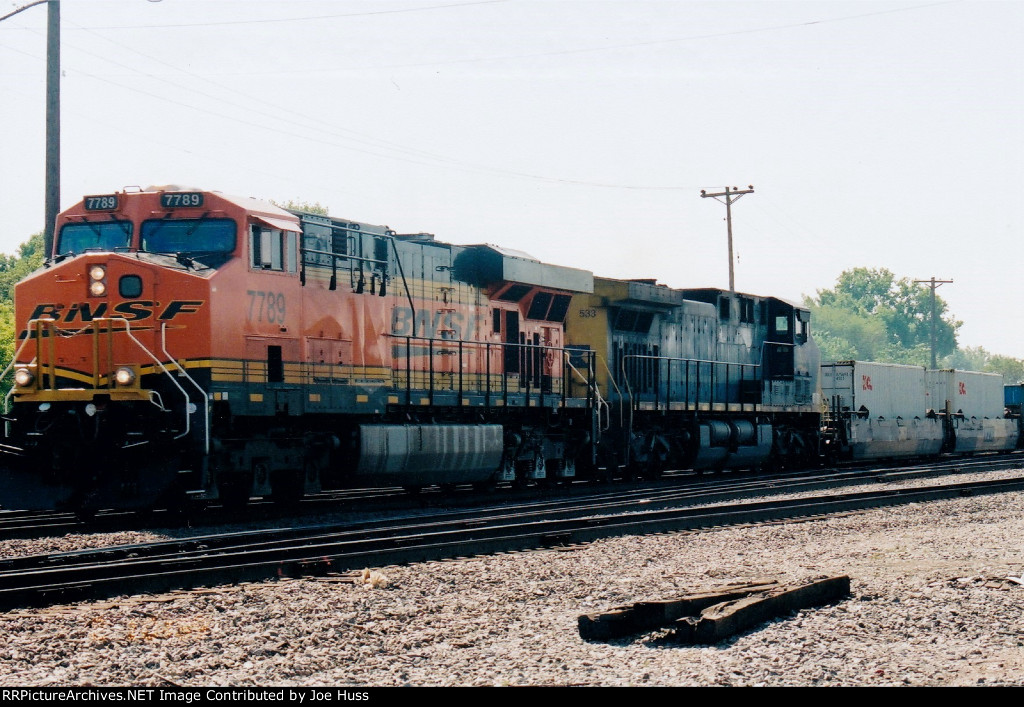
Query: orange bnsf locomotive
x: 183, y: 344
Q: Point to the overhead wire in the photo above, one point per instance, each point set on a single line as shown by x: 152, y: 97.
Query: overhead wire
x: 370, y: 141
x: 305, y: 18
x: 366, y: 140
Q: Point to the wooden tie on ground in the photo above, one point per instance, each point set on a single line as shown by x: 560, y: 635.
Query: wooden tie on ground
x: 709, y: 617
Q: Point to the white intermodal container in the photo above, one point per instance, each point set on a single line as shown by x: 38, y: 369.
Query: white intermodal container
x: 884, y: 390
x: 883, y: 409
x: 976, y: 404
x: 969, y: 393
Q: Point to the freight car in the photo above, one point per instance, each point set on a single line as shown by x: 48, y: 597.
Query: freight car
x: 184, y: 346
x: 880, y: 410
x: 1013, y: 401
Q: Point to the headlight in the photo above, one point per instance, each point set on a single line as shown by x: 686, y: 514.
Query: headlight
x: 124, y: 376
x: 97, y: 280
x: 23, y: 377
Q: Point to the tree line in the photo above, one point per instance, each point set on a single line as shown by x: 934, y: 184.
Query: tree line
x: 12, y: 269
x: 870, y: 315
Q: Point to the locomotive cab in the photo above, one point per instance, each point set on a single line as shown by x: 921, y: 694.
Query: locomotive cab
x: 109, y: 404
x: 773, y: 334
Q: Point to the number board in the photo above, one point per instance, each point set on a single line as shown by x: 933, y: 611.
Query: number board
x: 103, y: 202
x: 182, y: 199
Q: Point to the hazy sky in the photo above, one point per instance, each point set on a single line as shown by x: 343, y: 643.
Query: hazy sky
x: 877, y: 134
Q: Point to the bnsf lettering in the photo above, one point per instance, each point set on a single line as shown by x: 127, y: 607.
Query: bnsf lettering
x: 133, y: 310
x: 47, y: 311
x: 180, y: 307
x: 432, y: 323
x: 85, y: 311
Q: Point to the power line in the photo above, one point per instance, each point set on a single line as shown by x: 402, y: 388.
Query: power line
x: 305, y: 18
x: 431, y: 157
x: 22, y: 9
x: 413, y: 155
x: 507, y: 57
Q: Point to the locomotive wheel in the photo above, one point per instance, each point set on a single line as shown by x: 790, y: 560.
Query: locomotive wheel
x: 654, y: 467
x: 86, y: 508
x: 85, y: 515
x: 633, y: 471
x: 234, y: 493
x: 174, y: 500
x: 484, y: 486
x: 287, y: 487
x: 607, y: 466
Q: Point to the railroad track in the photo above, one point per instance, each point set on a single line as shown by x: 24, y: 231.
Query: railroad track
x: 34, y: 524
x: 259, y: 555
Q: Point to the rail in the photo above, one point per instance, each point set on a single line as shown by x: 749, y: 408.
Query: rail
x: 318, y: 549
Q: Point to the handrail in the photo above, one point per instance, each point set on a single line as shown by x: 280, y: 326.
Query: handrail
x: 343, y: 256
x: 47, y: 323
x: 127, y: 331
x: 206, y: 397
x: 14, y: 360
x: 743, y: 368
x: 401, y: 274
x: 592, y: 387
x: 468, y: 347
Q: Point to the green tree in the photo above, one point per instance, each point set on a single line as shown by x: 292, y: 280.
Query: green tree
x: 976, y: 358
x: 1011, y: 368
x: 15, y: 267
x: 12, y: 269
x: 845, y: 335
x: 872, y: 315
x: 969, y: 358
x: 290, y: 205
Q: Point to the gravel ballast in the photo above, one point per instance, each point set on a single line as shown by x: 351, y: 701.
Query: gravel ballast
x: 936, y: 600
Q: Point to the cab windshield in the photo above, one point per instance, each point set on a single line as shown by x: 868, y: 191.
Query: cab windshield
x: 210, y: 241
x: 90, y: 235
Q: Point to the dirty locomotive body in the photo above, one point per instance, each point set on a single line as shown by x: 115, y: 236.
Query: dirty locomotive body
x: 187, y: 345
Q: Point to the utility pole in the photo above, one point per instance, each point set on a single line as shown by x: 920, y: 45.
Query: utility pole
x: 934, y: 284
x: 52, y: 200
x: 52, y: 188
x: 730, y: 196
x: 52, y: 123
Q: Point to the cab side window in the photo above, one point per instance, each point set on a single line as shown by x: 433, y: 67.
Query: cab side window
x: 272, y: 249
x: 803, y: 320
